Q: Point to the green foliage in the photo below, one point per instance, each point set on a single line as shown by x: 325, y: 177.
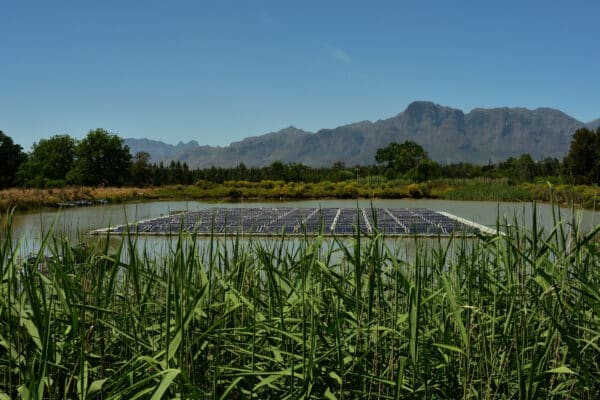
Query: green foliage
x: 424, y: 171
x: 49, y: 162
x: 11, y: 157
x: 101, y: 154
x: 401, y: 158
x: 234, y: 193
x: 525, y: 168
x: 202, y: 184
x: 511, y: 316
x: 101, y: 159
x: 415, y: 191
x: 489, y: 189
x: 548, y: 167
x: 583, y: 160
x: 140, y: 170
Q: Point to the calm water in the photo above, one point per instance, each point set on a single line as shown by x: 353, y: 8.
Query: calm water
x: 74, y: 223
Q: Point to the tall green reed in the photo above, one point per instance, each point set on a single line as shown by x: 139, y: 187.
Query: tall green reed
x: 510, y: 316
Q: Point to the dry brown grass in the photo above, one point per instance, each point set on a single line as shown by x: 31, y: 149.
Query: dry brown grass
x: 27, y: 199
x: 122, y: 194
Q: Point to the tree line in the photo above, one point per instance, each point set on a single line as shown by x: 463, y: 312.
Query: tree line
x: 102, y: 158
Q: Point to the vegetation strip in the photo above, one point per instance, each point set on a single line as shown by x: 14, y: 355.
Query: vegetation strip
x: 62, y: 170
x: 512, y: 316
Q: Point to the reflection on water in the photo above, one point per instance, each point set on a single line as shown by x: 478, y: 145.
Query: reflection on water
x: 74, y: 223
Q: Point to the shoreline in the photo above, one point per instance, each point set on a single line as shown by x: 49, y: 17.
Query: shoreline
x: 585, y: 197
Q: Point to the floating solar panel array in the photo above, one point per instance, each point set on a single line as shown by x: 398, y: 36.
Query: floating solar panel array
x: 305, y: 221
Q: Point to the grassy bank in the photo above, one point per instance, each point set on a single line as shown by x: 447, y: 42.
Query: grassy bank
x: 501, y: 190
x: 31, y: 199
x: 515, y: 316
x: 28, y: 199
x: 458, y: 189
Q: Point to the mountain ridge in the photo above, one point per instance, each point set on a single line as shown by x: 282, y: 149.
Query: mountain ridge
x: 447, y: 134
x: 595, y: 124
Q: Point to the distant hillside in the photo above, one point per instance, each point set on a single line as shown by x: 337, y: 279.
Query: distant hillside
x: 447, y: 134
x: 595, y: 124
x: 158, y: 150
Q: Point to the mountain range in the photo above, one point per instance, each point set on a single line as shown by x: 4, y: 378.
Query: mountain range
x: 447, y: 134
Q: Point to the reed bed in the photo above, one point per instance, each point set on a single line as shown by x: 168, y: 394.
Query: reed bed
x: 31, y: 199
x: 516, y: 316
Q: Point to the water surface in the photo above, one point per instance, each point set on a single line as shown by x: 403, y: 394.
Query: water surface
x: 74, y: 223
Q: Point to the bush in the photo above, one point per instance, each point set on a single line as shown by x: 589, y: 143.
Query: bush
x: 347, y: 190
x: 202, y: 184
x: 270, y: 184
x: 327, y: 186
x: 415, y: 191
x: 234, y: 193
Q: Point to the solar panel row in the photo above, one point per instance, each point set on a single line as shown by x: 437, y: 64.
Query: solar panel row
x: 274, y: 221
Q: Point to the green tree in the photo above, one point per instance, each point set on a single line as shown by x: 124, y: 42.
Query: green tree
x: 525, y: 168
x: 400, y: 158
x: 277, y: 171
x: 49, y: 162
x: 506, y: 168
x: 425, y: 170
x: 140, y: 169
x: 11, y: 157
x: 583, y: 160
x: 548, y: 167
x: 239, y: 172
x: 101, y: 159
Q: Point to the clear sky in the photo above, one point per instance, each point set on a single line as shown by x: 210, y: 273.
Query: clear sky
x: 219, y: 71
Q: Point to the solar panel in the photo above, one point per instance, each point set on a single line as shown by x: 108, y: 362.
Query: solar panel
x: 305, y: 221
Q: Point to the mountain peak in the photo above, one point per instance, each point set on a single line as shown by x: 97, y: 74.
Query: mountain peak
x: 447, y: 134
x: 291, y: 129
x: 419, y: 107
x: 429, y: 112
x: 188, y: 144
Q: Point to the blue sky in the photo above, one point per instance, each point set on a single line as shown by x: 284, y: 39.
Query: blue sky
x: 219, y: 71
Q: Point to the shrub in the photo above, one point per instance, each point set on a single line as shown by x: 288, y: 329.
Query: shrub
x: 202, y: 184
x: 234, y: 193
x: 415, y: 190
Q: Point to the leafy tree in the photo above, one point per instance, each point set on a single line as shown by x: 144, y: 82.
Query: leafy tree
x: 401, y: 158
x: 426, y: 169
x: 464, y: 170
x: 525, y: 168
x: 549, y: 166
x: 11, y: 157
x: 140, y: 169
x: 277, y: 171
x: 188, y: 175
x: 49, y: 162
x: 101, y: 159
x: 239, y: 172
x: 159, y: 174
x: 507, y: 167
x: 583, y: 160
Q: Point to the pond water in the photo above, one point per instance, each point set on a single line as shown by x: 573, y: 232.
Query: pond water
x: 74, y: 223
